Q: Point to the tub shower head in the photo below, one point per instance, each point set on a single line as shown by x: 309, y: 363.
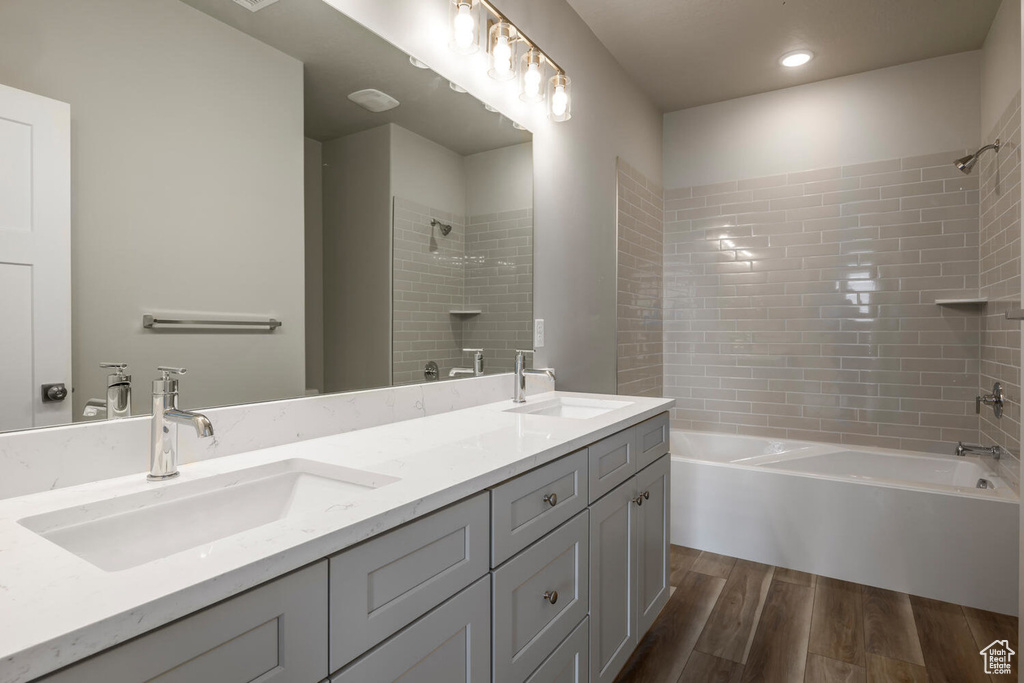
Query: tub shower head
x: 966, y: 164
x: 443, y: 227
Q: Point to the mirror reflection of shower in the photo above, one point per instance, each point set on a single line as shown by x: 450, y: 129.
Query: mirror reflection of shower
x: 966, y: 164
x: 443, y: 227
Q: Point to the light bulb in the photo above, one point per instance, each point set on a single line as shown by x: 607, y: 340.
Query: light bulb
x: 464, y: 25
x: 531, y: 80
x: 502, y: 56
x: 559, y: 101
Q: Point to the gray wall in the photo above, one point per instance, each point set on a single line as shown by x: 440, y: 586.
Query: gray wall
x: 574, y: 164
x: 1000, y: 64
x: 314, y: 266
x: 357, y: 261
x: 185, y: 133
x: 499, y: 180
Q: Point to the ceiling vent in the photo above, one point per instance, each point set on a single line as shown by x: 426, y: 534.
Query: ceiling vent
x: 374, y: 100
x: 255, y: 5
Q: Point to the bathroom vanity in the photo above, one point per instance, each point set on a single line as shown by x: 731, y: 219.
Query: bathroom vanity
x: 503, y: 542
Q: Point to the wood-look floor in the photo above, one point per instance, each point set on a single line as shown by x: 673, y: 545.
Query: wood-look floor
x: 734, y: 621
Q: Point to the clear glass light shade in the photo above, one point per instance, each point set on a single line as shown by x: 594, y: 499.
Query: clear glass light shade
x: 501, y: 49
x: 560, y: 98
x: 531, y: 76
x: 464, y: 24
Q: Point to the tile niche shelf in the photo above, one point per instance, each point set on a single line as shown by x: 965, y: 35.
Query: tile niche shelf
x: 963, y: 301
x: 465, y: 313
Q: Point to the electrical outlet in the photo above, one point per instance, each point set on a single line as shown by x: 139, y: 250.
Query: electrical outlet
x: 538, y: 333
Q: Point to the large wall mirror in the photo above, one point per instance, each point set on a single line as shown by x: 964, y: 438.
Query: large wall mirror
x: 232, y: 167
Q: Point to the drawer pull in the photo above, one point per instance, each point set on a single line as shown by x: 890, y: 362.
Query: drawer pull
x: 639, y: 500
x: 551, y: 499
x: 647, y: 495
x: 551, y: 596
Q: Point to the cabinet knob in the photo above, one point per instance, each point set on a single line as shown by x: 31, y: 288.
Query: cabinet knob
x: 647, y: 495
x: 551, y: 499
x: 551, y: 596
x: 639, y: 500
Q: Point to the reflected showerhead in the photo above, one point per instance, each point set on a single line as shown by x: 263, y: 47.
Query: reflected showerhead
x: 966, y: 164
x: 443, y: 227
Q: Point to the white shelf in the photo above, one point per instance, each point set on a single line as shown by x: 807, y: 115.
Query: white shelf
x: 465, y: 312
x: 961, y: 302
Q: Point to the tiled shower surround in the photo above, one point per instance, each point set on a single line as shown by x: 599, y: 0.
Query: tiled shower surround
x: 484, y: 265
x: 641, y: 215
x: 1000, y: 279
x: 803, y: 305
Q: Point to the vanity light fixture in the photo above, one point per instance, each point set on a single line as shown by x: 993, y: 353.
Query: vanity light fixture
x: 504, y: 41
x: 796, y: 58
x: 465, y: 26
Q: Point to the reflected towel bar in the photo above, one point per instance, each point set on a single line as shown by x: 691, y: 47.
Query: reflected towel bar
x: 149, y: 322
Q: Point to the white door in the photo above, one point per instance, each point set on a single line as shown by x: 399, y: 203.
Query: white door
x: 35, y: 258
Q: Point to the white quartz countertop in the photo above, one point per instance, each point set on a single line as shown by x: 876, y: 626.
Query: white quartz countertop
x: 56, y: 608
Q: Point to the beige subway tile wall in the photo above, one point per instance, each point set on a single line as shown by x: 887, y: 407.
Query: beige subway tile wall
x: 803, y: 305
x: 641, y: 221
x: 428, y: 282
x: 499, y: 283
x: 1000, y: 282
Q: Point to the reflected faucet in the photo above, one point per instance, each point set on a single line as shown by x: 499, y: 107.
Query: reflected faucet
x: 163, y: 454
x: 521, y: 373
x: 118, y: 403
x: 963, y: 449
x: 478, y: 365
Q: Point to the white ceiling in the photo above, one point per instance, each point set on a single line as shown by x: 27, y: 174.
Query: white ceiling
x: 340, y: 56
x: 685, y: 53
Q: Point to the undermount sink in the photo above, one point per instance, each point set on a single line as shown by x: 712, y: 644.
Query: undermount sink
x: 120, y: 533
x: 571, y: 407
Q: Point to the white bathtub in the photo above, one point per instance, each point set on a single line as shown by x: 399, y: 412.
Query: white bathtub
x: 907, y: 522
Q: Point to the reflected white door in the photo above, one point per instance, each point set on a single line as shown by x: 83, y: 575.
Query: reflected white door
x: 35, y: 258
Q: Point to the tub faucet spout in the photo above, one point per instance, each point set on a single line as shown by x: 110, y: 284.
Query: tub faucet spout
x: 963, y: 449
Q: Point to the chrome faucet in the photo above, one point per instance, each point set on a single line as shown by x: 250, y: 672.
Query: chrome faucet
x: 478, y: 364
x: 118, y: 403
x: 519, y: 395
x: 963, y: 449
x: 163, y: 452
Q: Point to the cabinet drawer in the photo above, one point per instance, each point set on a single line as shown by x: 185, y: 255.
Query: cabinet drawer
x: 388, y: 582
x: 527, y: 625
x: 526, y: 508
x: 452, y: 644
x: 652, y: 439
x: 570, y: 663
x: 612, y: 461
x: 275, y: 633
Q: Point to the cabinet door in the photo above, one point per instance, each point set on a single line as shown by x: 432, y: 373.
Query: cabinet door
x: 276, y: 633
x: 652, y: 534
x: 570, y: 663
x: 652, y: 440
x: 388, y: 582
x: 452, y: 644
x: 613, y: 565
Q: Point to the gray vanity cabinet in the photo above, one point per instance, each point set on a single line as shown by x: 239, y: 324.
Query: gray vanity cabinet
x: 652, y: 440
x: 451, y: 644
x: 276, y: 633
x: 652, y: 536
x: 612, y: 461
x: 613, y: 567
x: 382, y: 585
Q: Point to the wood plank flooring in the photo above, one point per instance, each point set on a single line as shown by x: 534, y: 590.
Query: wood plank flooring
x: 734, y: 621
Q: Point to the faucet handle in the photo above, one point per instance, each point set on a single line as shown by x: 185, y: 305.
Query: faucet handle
x: 166, y: 371
x: 525, y: 351
x: 115, y: 366
x: 472, y: 350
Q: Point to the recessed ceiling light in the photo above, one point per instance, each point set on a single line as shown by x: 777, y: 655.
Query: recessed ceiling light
x: 490, y: 109
x: 457, y: 88
x: 518, y: 126
x: 796, y: 58
x: 418, y: 64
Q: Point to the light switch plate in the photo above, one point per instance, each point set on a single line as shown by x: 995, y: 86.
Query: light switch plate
x: 538, y: 333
